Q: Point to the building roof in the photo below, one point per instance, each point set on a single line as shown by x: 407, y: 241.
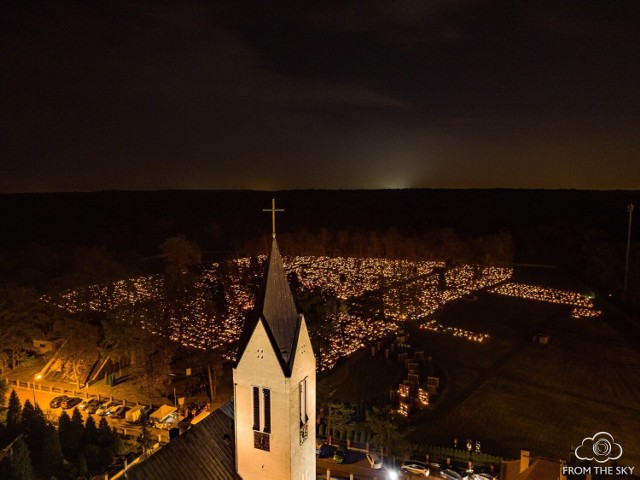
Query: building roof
x: 204, y: 452
x: 277, y: 311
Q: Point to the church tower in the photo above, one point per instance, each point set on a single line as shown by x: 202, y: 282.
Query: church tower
x: 275, y: 386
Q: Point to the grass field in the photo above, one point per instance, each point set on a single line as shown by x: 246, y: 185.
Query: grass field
x: 363, y: 377
x: 511, y: 393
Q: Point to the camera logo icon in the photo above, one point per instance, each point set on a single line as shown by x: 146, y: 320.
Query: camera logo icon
x: 601, y: 448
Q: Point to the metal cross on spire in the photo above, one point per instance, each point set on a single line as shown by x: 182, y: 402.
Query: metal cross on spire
x: 273, y: 211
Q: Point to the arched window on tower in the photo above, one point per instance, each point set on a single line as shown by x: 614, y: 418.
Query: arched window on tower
x: 267, y: 410
x: 256, y: 408
x: 261, y: 437
x: 303, y: 416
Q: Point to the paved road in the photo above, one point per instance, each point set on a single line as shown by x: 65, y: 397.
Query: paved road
x: 359, y: 467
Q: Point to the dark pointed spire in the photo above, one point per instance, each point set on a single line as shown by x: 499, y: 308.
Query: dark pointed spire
x: 277, y: 306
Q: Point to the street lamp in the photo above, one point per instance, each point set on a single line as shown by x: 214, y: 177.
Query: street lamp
x: 626, y: 262
x: 33, y: 385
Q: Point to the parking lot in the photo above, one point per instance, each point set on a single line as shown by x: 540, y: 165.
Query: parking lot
x: 44, y: 398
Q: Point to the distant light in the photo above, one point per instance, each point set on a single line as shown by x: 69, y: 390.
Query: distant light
x: 393, y: 475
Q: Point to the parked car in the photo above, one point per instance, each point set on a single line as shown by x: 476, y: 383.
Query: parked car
x: 374, y: 461
x: 338, y: 455
x: 117, y: 412
x: 413, y: 466
x: 104, y: 409
x: 84, y: 404
x: 55, y: 403
x: 485, y: 476
x: 70, y: 402
x: 94, y: 404
x: 323, y: 450
x: 450, y: 474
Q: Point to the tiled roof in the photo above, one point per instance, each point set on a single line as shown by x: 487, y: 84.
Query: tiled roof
x: 204, y: 452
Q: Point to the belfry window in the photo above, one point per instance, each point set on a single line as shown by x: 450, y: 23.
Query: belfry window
x: 302, y: 396
x: 303, y: 417
x: 267, y: 410
x: 261, y: 417
x: 256, y: 408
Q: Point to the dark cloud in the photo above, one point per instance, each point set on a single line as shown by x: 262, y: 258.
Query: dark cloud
x: 317, y: 94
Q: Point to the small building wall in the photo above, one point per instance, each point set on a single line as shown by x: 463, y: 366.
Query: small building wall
x: 42, y: 347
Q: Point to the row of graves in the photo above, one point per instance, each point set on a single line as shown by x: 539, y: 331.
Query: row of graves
x: 416, y: 392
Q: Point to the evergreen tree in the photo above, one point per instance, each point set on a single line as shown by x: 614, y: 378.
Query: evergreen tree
x: 65, y: 435
x: 14, y: 413
x: 26, y: 418
x: 32, y: 425
x: 77, y: 421
x: 105, y: 457
x: 39, y: 414
x: 97, y: 458
x: 51, y: 459
x: 105, y: 439
x: 83, y: 470
x: 105, y: 444
x: 117, y: 447
x: 75, y: 435
x: 21, y: 468
x: 90, y: 432
x: 92, y: 458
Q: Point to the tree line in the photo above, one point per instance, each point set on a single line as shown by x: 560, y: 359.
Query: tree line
x: 39, y: 450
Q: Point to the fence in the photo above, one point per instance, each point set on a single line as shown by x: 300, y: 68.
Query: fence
x: 443, y: 454
x: 40, y: 387
x: 362, y: 440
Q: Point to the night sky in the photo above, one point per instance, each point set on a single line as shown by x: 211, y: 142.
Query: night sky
x: 326, y: 94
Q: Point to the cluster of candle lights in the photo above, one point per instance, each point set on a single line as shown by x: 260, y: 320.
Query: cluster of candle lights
x: 433, y: 326
x: 582, y: 305
x: 544, y: 294
x: 410, y: 290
